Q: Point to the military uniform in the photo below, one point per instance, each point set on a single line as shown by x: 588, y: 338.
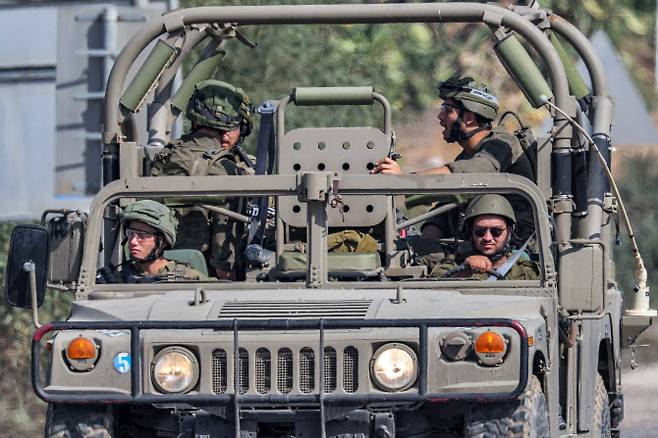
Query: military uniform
x: 490, y: 204
x: 499, y: 151
x: 523, y: 269
x: 129, y: 272
x: 216, y: 236
x: 215, y: 109
x: 351, y: 241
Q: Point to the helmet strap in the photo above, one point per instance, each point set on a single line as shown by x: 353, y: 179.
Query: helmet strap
x: 456, y: 131
x: 465, y: 136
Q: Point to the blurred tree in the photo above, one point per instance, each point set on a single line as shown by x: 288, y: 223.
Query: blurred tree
x: 630, y: 24
x: 637, y: 186
x: 403, y: 61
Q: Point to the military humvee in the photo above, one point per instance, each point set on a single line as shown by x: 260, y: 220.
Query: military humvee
x: 313, y: 343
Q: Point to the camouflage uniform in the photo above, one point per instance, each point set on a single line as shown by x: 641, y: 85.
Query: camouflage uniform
x: 216, y: 105
x: 129, y: 272
x: 523, y: 269
x: 351, y: 241
x: 195, y: 154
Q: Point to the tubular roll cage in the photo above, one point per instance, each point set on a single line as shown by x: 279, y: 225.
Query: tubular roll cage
x: 529, y: 23
x: 235, y: 325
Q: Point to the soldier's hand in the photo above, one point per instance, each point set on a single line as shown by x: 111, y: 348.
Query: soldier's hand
x: 479, y: 263
x: 387, y: 166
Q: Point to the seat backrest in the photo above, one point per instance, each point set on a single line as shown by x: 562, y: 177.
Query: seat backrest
x: 192, y: 257
x: 352, y: 150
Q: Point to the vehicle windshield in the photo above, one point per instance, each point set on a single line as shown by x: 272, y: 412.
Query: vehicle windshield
x: 484, y: 237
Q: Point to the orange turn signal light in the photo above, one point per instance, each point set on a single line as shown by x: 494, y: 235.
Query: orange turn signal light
x: 490, y: 342
x: 81, y: 349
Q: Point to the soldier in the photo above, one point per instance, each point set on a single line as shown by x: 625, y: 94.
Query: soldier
x: 468, y: 109
x: 221, y: 117
x: 149, y: 228
x: 490, y: 222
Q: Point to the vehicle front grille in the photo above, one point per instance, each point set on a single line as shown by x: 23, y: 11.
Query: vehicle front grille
x: 290, y: 372
x: 263, y: 371
x: 306, y: 370
x: 243, y: 371
x: 219, y: 372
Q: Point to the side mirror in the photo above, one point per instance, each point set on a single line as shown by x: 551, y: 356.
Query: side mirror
x: 28, y: 252
x: 66, y: 231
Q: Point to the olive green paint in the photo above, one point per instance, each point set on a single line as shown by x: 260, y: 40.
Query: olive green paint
x: 577, y: 85
x: 147, y: 76
x: 203, y: 70
x: 522, y: 68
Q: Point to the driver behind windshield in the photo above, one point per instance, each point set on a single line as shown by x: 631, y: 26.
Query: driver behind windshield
x: 490, y: 222
x: 149, y: 228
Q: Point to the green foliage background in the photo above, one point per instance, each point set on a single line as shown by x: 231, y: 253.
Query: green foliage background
x: 405, y: 61
x: 23, y: 411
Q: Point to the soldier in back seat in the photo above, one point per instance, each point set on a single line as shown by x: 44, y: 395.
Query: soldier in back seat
x: 467, y: 112
x: 221, y: 117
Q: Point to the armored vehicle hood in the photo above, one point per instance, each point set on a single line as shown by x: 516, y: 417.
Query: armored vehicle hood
x: 294, y: 304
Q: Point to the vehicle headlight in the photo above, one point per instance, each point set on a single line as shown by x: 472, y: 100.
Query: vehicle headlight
x: 175, y: 370
x: 394, y: 367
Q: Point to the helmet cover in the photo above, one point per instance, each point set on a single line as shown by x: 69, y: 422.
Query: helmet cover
x: 220, y: 105
x: 475, y: 96
x: 490, y: 204
x: 154, y: 214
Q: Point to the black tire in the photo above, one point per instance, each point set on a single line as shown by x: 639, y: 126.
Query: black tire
x: 601, y: 422
x: 527, y: 417
x: 78, y: 421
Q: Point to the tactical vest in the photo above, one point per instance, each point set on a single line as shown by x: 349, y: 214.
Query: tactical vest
x: 197, y: 154
x: 182, y: 159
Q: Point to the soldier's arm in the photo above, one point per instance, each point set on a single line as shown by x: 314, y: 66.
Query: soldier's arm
x: 389, y: 166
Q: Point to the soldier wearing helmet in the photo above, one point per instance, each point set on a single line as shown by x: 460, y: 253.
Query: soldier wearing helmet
x: 221, y: 117
x: 490, y: 222
x: 149, y: 228
x: 467, y: 112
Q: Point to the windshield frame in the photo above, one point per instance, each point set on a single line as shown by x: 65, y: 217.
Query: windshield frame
x: 290, y: 185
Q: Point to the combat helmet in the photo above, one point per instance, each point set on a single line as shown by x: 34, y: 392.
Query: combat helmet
x: 220, y: 105
x: 490, y: 204
x: 154, y: 214
x: 475, y: 96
